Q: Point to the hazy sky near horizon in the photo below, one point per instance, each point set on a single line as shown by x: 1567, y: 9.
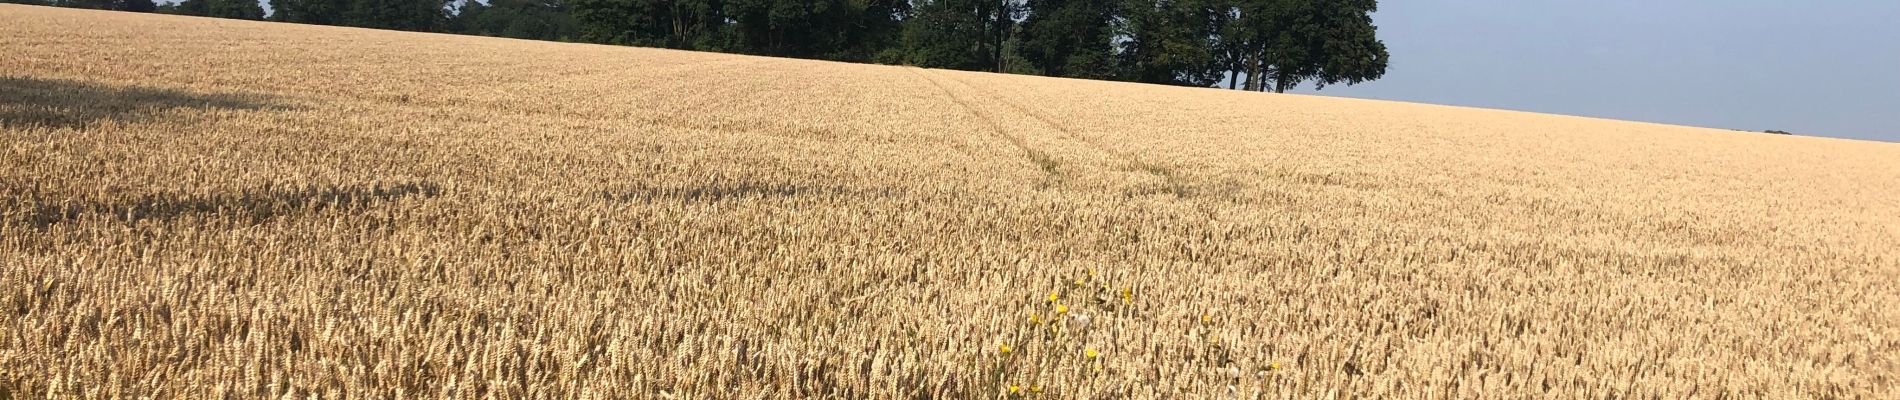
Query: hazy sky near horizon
x: 1821, y: 68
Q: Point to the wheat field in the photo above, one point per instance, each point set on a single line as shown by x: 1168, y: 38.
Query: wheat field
x: 203, y: 208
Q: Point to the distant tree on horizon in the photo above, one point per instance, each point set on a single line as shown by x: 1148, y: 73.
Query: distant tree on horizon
x: 956, y: 34
x: 1170, y: 42
x: 320, y: 12
x: 520, y: 19
x: 403, y: 15
x: 1070, y: 38
x: 116, y: 5
x: 1279, y: 44
x: 1255, y: 45
x: 234, y: 9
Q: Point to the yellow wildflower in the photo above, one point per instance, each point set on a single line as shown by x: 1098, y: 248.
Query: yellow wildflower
x: 1207, y: 318
x: 1061, y: 309
x: 1003, y: 347
x: 1035, y: 319
x: 1053, y: 297
x: 1091, y: 353
x: 1275, y: 366
x: 1035, y: 389
x: 1014, y: 389
x: 1128, y: 295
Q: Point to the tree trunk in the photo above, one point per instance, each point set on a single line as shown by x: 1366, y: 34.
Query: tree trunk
x: 1253, y: 74
x: 996, y: 35
x: 1260, y: 83
x: 1001, y: 31
x: 1233, y: 70
x: 679, y: 28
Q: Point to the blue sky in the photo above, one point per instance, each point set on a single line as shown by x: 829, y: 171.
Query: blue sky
x: 1822, y: 67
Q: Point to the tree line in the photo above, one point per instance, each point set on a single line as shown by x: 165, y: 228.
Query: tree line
x: 1259, y: 45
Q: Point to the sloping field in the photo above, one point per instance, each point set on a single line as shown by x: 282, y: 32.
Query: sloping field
x: 200, y: 208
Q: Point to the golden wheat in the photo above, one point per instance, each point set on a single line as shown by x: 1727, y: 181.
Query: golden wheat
x: 200, y: 208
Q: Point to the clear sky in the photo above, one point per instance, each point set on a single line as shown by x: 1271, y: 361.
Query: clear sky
x: 1819, y: 67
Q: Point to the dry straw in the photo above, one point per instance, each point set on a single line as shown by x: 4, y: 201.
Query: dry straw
x: 197, y: 208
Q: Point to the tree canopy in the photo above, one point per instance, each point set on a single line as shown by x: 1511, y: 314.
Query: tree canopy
x: 235, y: 9
x: 520, y: 19
x: 1279, y: 44
x: 1247, y: 44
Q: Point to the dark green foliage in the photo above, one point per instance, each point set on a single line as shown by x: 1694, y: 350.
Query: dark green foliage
x: 408, y: 15
x: 944, y: 34
x: 959, y: 34
x: 321, y: 12
x: 1278, y: 44
x: 1170, y: 42
x: 235, y: 9
x: 1251, y: 44
x: 828, y: 29
x: 852, y: 30
x: 653, y: 23
x: 92, y: 4
x: 117, y: 5
x: 794, y: 28
x: 1070, y: 38
x: 1013, y: 61
x: 520, y: 19
x: 1249, y: 30
x: 875, y: 28
x: 1342, y: 45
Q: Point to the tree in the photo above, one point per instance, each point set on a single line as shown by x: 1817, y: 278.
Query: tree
x: 943, y: 35
x: 137, y: 6
x: 235, y: 9
x: 1169, y: 42
x: 92, y: 4
x: 1279, y: 44
x: 876, y: 28
x: 793, y: 28
x: 852, y: 30
x: 680, y: 24
x: 1349, y: 49
x: 520, y: 19
x: 849, y: 30
x: 959, y: 34
x: 1247, y: 29
x: 1012, y: 61
x: 468, y: 18
x: 321, y: 12
x: 1231, y: 41
x: 406, y: 15
x: 117, y: 5
x: 1070, y: 38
